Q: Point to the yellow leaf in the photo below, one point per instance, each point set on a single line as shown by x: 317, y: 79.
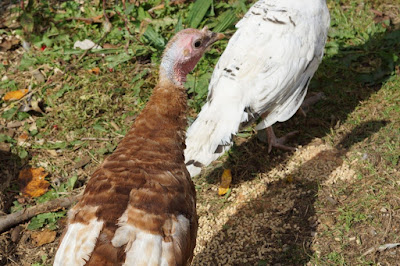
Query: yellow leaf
x: 44, y: 237
x: 32, y: 182
x: 15, y: 95
x: 95, y: 70
x: 226, y: 180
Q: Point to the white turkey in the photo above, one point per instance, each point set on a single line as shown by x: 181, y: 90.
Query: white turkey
x: 263, y: 73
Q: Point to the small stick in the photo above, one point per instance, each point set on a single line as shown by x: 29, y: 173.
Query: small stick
x: 15, y: 218
x: 381, y: 248
x: 104, y: 12
x: 96, y: 139
x: 86, y: 20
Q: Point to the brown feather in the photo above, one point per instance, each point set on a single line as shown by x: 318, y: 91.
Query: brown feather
x: 147, y: 167
x: 142, y: 195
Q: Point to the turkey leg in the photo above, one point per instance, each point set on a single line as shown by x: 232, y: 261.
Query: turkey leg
x: 269, y: 136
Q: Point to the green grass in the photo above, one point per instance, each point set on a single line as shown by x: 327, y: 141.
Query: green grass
x: 360, y: 117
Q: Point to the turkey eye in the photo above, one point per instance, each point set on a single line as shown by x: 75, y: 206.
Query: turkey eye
x: 197, y: 44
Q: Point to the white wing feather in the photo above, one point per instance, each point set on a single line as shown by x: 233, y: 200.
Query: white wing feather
x: 265, y: 70
x: 79, y: 241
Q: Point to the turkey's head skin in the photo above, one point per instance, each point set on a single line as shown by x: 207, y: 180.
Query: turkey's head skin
x: 183, y: 52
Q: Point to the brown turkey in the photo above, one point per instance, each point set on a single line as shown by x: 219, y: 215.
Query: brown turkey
x: 139, y: 207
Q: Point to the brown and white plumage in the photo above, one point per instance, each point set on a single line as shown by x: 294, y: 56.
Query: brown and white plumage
x: 139, y: 207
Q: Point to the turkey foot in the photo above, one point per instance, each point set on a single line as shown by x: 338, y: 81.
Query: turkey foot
x: 279, y: 143
x: 268, y: 136
x: 304, y: 108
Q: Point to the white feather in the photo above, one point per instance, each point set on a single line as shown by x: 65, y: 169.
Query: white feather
x: 78, y: 243
x: 144, y: 248
x: 265, y: 68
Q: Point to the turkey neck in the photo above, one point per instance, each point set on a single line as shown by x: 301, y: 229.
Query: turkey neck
x: 163, y: 120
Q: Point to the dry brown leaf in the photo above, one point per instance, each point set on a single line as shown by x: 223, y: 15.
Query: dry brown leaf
x: 21, y: 140
x: 14, y: 124
x: 15, y: 95
x: 5, y: 147
x: 44, y: 237
x: 226, y: 180
x: 97, y: 19
x: 38, y: 76
x: 52, y: 153
x: 95, y: 70
x: 32, y: 182
x: 16, y: 233
x: 6, y: 45
x: 110, y: 46
x: 84, y: 161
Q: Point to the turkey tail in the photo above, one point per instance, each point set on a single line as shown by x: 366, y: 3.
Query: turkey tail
x: 211, y: 133
x: 79, y: 240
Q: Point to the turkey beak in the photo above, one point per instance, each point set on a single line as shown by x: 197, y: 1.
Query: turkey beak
x: 213, y: 37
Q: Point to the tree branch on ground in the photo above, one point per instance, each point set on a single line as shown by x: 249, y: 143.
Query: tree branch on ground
x: 15, y: 218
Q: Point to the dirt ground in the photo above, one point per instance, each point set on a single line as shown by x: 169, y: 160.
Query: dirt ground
x: 270, y: 218
x: 278, y: 217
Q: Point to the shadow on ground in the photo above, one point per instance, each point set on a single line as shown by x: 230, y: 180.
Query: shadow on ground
x: 9, y: 167
x: 279, y: 224
x: 346, y: 79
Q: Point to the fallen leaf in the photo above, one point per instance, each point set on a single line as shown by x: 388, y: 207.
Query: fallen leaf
x: 110, y: 46
x: 33, y: 127
x: 44, y: 237
x: 22, y: 138
x: 107, y: 26
x: 38, y: 76
x: 35, y: 105
x: 15, y: 95
x: 115, y: 126
x: 97, y: 19
x: 226, y: 180
x: 7, y: 44
x: 32, y: 182
x: 95, y: 70
x: 84, y: 161
x: 52, y: 153
x: 5, y: 147
x: 86, y: 45
x: 32, y: 105
x: 14, y: 124
x: 16, y: 233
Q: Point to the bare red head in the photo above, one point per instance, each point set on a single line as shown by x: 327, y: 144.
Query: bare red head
x: 184, y: 51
